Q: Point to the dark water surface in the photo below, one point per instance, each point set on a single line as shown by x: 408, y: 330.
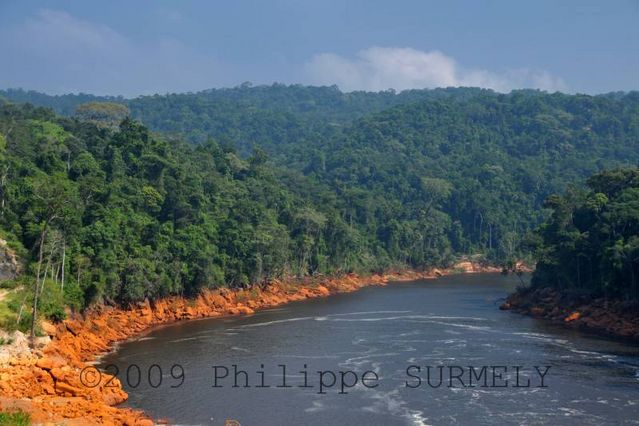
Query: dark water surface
x: 450, y: 321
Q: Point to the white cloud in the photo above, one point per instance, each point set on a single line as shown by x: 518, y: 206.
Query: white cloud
x: 56, y: 52
x: 381, y: 68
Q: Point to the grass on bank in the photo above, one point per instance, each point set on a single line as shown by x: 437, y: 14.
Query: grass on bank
x: 14, y: 418
x: 18, y: 301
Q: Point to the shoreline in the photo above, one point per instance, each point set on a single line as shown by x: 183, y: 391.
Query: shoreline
x: 610, y: 318
x: 46, y: 383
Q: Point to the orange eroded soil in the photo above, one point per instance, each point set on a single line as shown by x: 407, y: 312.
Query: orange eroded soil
x: 46, y: 383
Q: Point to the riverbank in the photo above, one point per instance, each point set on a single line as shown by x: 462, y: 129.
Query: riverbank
x: 615, y: 318
x: 46, y: 383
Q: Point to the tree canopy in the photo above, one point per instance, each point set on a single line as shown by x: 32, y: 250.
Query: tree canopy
x: 590, y: 243
x: 243, y: 185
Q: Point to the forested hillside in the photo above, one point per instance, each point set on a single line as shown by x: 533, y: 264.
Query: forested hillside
x: 269, y: 116
x: 246, y: 184
x: 590, y: 244
x: 489, y: 159
x: 122, y: 215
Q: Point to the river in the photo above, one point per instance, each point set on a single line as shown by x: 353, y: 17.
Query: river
x: 378, y: 344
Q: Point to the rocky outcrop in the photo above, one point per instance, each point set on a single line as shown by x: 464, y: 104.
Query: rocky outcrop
x: 47, y: 383
x: 523, y: 267
x: 470, y: 267
x: 16, y: 344
x: 612, y: 317
x: 10, y: 265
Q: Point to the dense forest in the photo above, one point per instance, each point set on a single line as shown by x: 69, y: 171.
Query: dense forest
x: 234, y: 113
x: 122, y: 215
x: 237, y: 186
x: 590, y: 243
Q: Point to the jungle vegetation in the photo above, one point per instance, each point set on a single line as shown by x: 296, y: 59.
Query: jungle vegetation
x: 118, y: 200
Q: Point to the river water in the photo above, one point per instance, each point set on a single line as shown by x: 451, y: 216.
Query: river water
x: 376, y: 337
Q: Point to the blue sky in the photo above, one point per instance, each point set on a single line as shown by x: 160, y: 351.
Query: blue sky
x: 143, y: 47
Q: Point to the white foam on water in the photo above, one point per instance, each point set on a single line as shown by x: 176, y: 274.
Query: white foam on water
x: 582, y: 352
x: 411, y: 317
x: 414, y: 341
x: 570, y: 412
x: 585, y: 354
x: 392, y: 403
x: 451, y: 341
x: 424, y: 319
x: 410, y: 333
x: 531, y: 334
x: 366, y: 359
x: 455, y: 318
x: 310, y: 356
x: 543, y: 337
x: 374, y: 319
x: 417, y: 418
x: 317, y: 406
x: 596, y: 355
x: 370, y: 313
x: 466, y: 326
x: 262, y: 324
x: 184, y: 339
